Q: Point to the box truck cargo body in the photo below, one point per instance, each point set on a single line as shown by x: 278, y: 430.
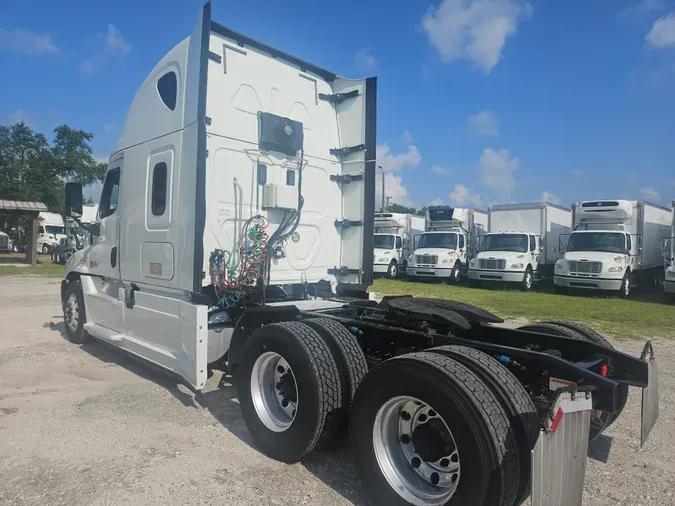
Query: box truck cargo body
x: 522, y: 243
x: 394, y: 233
x: 615, y: 245
x: 668, y: 249
x: 449, y: 242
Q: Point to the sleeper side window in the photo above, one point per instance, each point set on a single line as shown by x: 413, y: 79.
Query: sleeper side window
x: 167, y: 87
x: 110, y: 193
x: 158, y: 204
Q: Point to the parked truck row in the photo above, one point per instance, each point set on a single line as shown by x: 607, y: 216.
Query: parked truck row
x: 608, y: 245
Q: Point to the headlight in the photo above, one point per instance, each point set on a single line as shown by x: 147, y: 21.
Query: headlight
x: 670, y: 274
x: 616, y: 269
x: 411, y: 259
x: 383, y: 260
x: 516, y: 266
x: 447, y: 261
x: 472, y: 263
x: 559, y: 265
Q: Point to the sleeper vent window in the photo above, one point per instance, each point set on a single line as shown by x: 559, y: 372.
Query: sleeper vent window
x: 159, y: 189
x: 167, y: 86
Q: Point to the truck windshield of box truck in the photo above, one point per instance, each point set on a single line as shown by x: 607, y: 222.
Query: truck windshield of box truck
x: 384, y: 242
x: 505, y: 242
x: 448, y: 241
x: 609, y: 242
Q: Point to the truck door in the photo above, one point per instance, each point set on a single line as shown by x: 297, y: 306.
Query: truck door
x: 462, y: 249
x: 103, y: 257
x: 400, y: 253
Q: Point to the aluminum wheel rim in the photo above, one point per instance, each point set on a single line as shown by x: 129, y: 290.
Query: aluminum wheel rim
x: 626, y: 287
x: 456, y: 274
x: 528, y: 280
x: 393, y: 271
x: 274, y: 391
x: 72, y: 312
x: 421, y: 472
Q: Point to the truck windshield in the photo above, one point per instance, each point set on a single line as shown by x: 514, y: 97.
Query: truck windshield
x: 505, y: 242
x: 52, y: 229
x: 610, y: 242
x: 384, y: 241
x: 448, y: 241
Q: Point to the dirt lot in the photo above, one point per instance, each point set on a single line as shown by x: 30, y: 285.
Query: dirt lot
x: 88, y: 426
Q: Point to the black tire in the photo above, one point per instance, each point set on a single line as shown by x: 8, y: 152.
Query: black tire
x: 318, y: 389
x: 392, y: 270
x: 528, y: 279
x: 350, y: 360
x: 45, y: 249
x: 591, y: 335
x: 626, y: 286
x: 599, y: 422
x: 485, y: 443
x: 75, y: 333
x: 512, y: 396
x: 475, y: 283
x: 456, y: 274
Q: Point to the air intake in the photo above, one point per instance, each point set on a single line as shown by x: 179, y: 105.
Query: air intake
x: 276, y: 133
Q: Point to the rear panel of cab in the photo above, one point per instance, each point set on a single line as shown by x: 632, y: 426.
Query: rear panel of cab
x: 246, y: 78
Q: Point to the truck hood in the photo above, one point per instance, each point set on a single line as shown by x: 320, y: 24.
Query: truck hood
x: 435, y: 251
x: 509, y: 256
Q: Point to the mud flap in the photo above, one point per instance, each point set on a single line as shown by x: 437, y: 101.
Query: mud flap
x: 559, y: 457
x: 650, y: 394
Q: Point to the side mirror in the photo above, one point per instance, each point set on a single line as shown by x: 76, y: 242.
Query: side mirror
x: 93, y: 228
x: 73, y: 200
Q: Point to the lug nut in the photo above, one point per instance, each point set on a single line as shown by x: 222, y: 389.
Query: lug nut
x: 416, y: 462
x: 405, y: 439
x: 405, y: 415
x: 435, y: 478
x: 445, y: 462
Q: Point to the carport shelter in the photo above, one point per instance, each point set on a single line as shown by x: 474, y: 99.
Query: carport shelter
x: 29, y: 210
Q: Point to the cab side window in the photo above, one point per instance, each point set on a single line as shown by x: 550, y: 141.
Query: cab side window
x: 41, y: 230
x: 532, y: 243
x: 110, y: 193
x: 399, y: 243
x: 461, y: 241
x: 629, y: 244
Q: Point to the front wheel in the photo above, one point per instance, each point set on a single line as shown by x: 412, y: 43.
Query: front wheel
x: 45, y: 249
x: 456, y: 274
x: 624, y: 291
x: 528, y: 280
x: 392, y: 271
x: 74, y: 314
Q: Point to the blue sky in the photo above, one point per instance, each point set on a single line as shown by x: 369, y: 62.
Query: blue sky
x: 479, y: 101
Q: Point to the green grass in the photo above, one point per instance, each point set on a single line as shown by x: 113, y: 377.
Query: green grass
x: 646, y: 318
x: 45, y: 267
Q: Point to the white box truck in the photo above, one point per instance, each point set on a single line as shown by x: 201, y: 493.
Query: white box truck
x: 394, y: 234
x: 449, y: 242
x: 521, y: 245
x: 668, y: 252
x: 615, y: 245
x: 235, y: 232
x: 51, y: 229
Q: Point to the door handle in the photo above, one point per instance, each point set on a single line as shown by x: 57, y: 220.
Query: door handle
x: 113, y: 257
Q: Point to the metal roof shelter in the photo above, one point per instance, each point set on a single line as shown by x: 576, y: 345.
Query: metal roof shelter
x: 30, y: 210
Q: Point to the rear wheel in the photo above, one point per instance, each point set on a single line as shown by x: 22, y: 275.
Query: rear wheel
x: 512, y: 396
x: 392, y: 270
x: 427, y: 431
x: 600, y: 420
x: 289, y: 390
x: 349, y: 358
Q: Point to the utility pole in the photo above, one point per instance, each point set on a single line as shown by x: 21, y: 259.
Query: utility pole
x: 379, y: 166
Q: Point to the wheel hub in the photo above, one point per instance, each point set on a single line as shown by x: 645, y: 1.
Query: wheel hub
x: 274, y: 391
x: 432, y: 441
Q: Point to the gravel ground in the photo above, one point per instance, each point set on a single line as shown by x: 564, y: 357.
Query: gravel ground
x: 88, y: 426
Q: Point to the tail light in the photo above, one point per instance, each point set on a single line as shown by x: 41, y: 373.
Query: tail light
x: 604, y: 370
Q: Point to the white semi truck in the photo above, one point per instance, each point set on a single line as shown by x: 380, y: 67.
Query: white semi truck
x: 449, y: 242
x: 394, y: 233
x: 668, y: 250
x: 521, y: 245
x: 615, y: 245
x: 51, y: 229
x: 235, y: 232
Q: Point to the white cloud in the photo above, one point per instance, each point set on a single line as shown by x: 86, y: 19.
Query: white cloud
x: 497, y: 171
x: 87, y: 66
x: 475, y: 30
x: 393, y: 187
x: 550, y: 197
x: 436, y: 202
x: 662, y: 34
x: 462, y: 196
x: 21, y: 115
x: 484, y: 123
x: 365, y: 60
x: 643, y: 7
x: 442, y: 171
x: 114, y: 42
x: 21, y: 41
x: 577, y: 172
x: 395, y: 163
x: 407, y: 137
x: 650, y: 194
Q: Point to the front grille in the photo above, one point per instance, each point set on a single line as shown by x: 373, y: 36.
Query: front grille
x: 4, y: 242
x: 426, y: 259
x: 585, y: 267
x: 492, y: 263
